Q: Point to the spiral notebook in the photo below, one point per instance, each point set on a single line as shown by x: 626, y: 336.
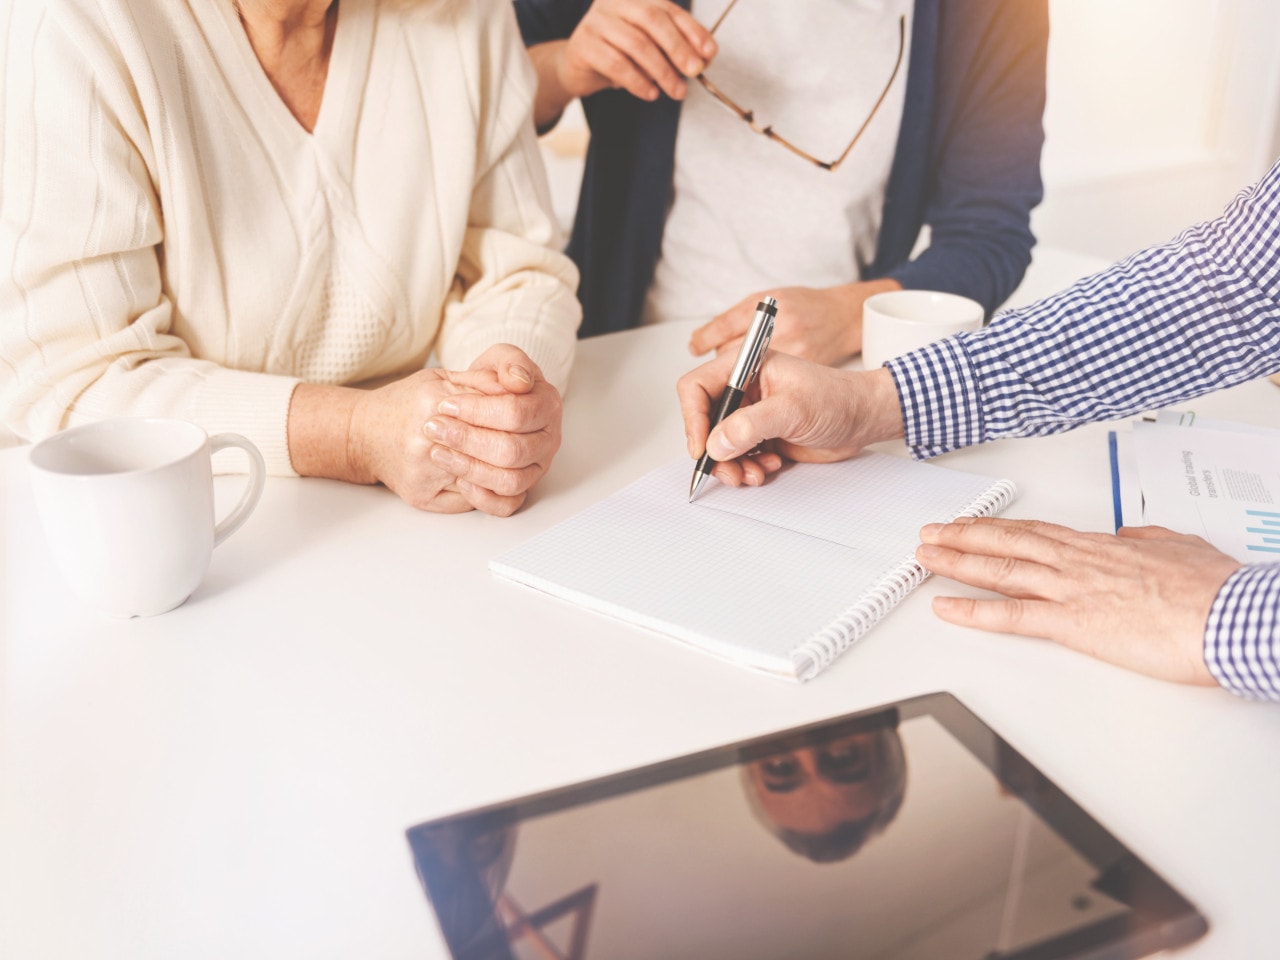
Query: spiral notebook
x: 781, y: 578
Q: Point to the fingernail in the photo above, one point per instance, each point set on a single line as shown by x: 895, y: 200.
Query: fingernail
x: 943, y: 604
x: 964, y: 521
x: 930, y: 530
x: 520, y: 373
x: 466, y: 486
x: 693, y: 67
x: 448, y: 407
x: 719, y: 447
x: 433, y: 428
x: 928, y: 551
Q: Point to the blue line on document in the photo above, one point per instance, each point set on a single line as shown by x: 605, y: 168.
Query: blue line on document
x: 1115, y: 480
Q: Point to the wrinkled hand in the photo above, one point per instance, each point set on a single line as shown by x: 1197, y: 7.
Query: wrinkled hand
x: 449, y: 441
x: 819, y: 324
x: 809, y: 413
x: 1139, y: 600
x: 642, y: 46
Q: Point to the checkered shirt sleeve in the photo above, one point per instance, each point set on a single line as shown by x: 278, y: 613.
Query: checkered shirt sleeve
x: 1242, y: 637
x: 1167, y: 324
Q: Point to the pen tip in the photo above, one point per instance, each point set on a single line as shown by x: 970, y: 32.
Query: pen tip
x: 696, y: 484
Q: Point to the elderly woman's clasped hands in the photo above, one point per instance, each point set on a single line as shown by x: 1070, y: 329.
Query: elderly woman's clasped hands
x: 450, y: 441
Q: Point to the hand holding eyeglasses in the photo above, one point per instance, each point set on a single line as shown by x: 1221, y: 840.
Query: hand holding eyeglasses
x: 645, y: 47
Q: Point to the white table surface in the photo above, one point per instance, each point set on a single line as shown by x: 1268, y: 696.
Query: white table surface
x: 234, y: 778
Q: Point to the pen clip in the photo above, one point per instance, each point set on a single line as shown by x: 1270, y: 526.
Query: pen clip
x: 758, y: 359
x: 754, y: 345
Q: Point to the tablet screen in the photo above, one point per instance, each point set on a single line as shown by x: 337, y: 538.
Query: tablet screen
x: 911, y: 832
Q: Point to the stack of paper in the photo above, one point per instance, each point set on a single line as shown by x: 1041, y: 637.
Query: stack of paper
x: 1216, y: 479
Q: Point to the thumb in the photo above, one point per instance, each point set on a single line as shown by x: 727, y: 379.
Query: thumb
x: 748, y: 427
x: 517, y: 376
x: 511, y: 366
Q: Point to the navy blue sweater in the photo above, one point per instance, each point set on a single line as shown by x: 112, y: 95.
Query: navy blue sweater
x: 967, y: 161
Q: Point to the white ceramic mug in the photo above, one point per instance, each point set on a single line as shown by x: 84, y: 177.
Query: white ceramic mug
x: 127, y: 507
x: 899, y: 321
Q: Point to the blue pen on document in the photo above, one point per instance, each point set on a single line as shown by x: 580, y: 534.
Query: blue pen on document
x: 1114, y: 450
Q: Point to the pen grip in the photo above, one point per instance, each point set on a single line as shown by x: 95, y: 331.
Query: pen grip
x: 730, y: 400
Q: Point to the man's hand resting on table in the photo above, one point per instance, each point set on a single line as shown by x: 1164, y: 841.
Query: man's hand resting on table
x: 1139, y: 600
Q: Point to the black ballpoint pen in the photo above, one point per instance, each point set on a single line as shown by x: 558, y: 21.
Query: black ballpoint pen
x: 750, y: 356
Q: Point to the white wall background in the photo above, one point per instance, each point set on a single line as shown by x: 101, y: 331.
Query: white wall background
x: 1159, y: 112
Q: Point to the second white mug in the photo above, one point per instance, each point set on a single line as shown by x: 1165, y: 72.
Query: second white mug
x: 127, y: 507
x: 899, y: 321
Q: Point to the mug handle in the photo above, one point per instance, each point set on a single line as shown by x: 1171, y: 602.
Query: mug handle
x: 257, y: 478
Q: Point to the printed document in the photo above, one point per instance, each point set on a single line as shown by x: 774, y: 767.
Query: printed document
x: 1220, y: 483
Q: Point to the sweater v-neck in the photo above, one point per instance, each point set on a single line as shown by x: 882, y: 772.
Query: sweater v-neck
x: 339, y: 102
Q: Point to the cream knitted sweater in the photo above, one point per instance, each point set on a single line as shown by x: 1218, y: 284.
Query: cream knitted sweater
x: 173, y: 242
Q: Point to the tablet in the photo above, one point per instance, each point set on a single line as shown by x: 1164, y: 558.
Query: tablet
x: 907, y: 832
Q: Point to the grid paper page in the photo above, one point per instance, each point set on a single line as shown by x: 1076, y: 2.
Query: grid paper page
x: 874, y: 502
x: 745, y: 587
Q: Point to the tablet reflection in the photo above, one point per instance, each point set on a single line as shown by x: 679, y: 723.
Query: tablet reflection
x: 826, y: 801
x: 805, y: 845
x: 465, y: 865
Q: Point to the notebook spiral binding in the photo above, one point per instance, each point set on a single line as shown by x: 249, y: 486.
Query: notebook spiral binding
x: 816, y: 653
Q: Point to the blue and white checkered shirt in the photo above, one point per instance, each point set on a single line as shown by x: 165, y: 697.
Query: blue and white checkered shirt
x: 1167, y: 324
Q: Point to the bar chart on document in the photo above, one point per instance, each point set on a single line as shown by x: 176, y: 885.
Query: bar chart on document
x: 1216, y: 480
x: 1264, y: 535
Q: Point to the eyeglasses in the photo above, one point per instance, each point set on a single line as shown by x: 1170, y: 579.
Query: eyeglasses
x: 768, y: 131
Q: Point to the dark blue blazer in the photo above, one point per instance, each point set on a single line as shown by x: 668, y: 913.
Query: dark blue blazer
x: 967, y: 162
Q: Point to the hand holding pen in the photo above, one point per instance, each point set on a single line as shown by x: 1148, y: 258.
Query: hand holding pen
x: 804, y: 411
x: 751, y: 354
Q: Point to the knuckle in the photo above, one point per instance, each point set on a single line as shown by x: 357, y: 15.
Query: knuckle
x: 1001, y: 569
x: 504, y: 449
x: 651, y: 16
x: 1005, y: 537
x: 631, y: 41
x: 508, y: 483
x: 611, y: 63
x: 1015, y: 612
x: 508, y: 411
